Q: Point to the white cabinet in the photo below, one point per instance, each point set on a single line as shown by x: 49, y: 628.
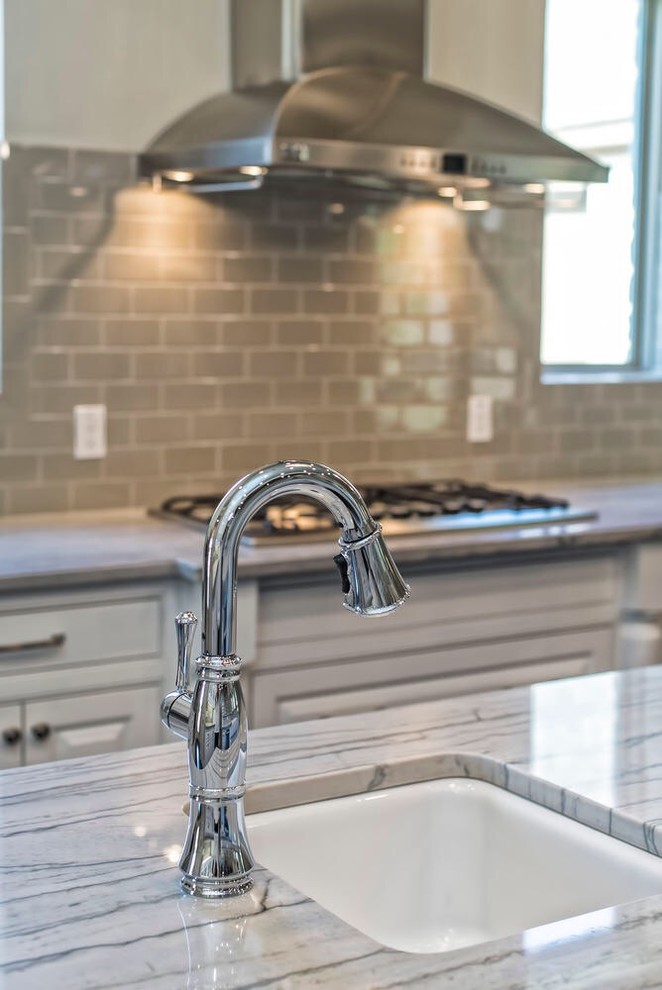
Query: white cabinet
x: 494, y: 50
x: 189, y: 597
x: 75, y: 79
x: 465, y: 630
x: 385, y: 682
x: 641, y: 633
x: 644, y: 580
x: 83, y: 725
x: 82, y: 671
x: 11, y: 736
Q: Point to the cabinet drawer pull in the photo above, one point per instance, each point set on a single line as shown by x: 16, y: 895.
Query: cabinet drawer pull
x: 53, y: 642
x: 41, y: 731
x: 12, y: 736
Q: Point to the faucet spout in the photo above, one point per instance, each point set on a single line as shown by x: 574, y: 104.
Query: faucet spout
x: 216, y: 859
x: 372, y: 583
x: 375, y: 586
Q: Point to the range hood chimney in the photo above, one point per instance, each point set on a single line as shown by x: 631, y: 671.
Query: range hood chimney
x: 335, y: 89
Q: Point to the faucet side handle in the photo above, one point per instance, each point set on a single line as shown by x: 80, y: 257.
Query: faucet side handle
x: 185, y: 624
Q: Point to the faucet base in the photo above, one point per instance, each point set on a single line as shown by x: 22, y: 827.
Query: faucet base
x: 216, y: 860
x: 215, y: 888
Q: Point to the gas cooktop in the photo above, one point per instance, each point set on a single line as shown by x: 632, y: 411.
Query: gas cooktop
x: 402, y: 510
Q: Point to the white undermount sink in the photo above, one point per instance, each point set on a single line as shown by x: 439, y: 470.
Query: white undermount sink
x: 434, y: 866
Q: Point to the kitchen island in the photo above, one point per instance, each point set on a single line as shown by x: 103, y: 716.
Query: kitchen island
x: 90, y: 894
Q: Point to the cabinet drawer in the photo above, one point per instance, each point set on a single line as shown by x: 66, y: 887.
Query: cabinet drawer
x: 432, y: 689
x: 300, y: 625
x: 77, y: 633
x: 368, y: 684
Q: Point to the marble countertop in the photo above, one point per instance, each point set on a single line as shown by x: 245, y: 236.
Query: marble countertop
x: 89, y: 893
x: 40, y: 552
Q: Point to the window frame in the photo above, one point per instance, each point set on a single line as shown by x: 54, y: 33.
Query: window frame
x: 646, y: 340
x: 648, y: 163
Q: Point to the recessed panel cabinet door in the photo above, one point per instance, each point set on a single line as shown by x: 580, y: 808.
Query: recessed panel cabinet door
x: 83, y: 725
x: 11, y: 736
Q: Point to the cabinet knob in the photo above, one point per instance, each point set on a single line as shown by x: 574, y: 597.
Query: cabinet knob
x: 41, y: 731
x: 12, y: 736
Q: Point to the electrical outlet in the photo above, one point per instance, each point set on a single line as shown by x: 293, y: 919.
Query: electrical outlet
x: 90, y: 440
x: 480, y: 419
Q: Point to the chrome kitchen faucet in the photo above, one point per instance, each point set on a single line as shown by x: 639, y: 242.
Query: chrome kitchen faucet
x: 207, y: 708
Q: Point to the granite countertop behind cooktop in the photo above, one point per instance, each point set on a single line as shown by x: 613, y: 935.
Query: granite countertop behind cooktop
x: 39, y: 552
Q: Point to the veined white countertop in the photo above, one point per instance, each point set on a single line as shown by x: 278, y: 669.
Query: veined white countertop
x: 68, y: 549
x: 90, y: 894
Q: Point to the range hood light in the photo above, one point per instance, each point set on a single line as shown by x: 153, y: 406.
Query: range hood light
x: 534, y: 187
x: 252, y: 170
x: 177, y: 175
x: 470, y: 205
x: 566, y: 198
x: 474, y: 182
x: 447, y: 192
x: 475, y: 205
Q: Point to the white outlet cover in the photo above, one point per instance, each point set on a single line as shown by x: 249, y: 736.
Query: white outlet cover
x: 90, y: 432
x: 480, y: 419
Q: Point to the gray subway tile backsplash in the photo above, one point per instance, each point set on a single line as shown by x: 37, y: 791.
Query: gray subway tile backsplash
x: 19, y: 467
x: 101, y: 495
x: 248, y: 268
x: 101, y: 366
x: 326, y: 300
x: 46, y: 229
x: 274, y: 301
x: 225, y: 331
x: 98, y: 298
x: 218, y: 301
x: 160, y: 299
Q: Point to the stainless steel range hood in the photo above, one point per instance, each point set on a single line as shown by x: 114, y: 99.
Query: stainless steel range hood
x: 334, y: 89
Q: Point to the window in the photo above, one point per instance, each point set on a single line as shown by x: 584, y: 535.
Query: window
x: 599, y: 262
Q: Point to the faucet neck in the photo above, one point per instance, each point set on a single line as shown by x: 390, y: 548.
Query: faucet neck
x: 216, y: 860
x: 219, y: 591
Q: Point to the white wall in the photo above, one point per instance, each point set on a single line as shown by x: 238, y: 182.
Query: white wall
x: 491, y: 48
x: 109, y: 74
x: 2, y: 73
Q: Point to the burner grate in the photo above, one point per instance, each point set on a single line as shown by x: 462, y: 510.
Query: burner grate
x: 406, y: 509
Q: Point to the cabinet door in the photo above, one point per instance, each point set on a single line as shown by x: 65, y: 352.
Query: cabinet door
x: 85, y: 724
x: 11, y: 736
